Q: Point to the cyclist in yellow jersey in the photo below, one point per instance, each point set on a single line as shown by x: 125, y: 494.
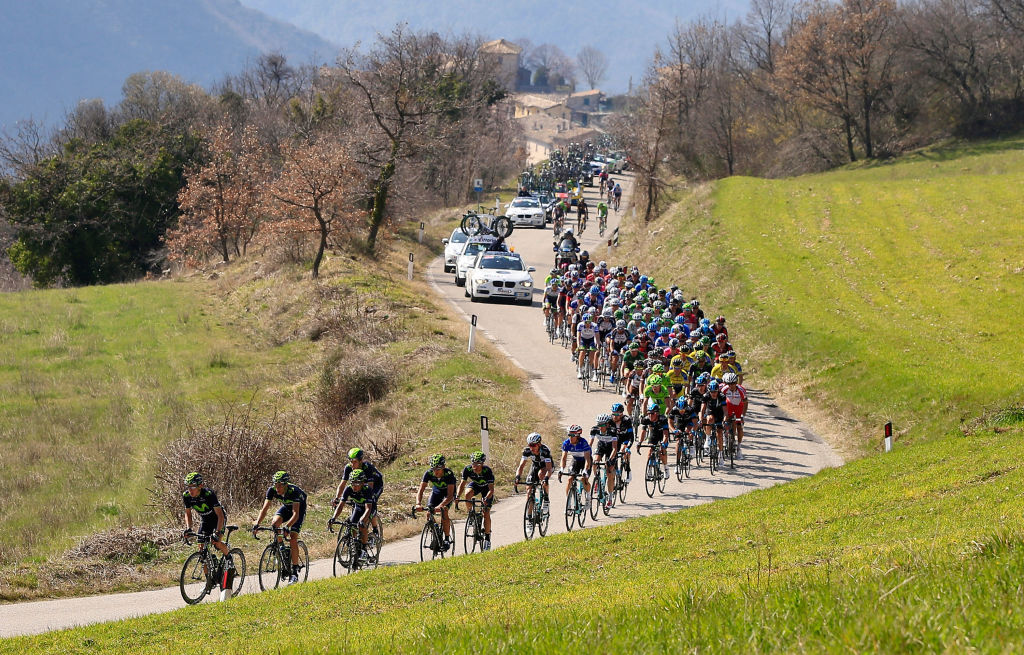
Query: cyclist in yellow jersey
x: 677, y: 373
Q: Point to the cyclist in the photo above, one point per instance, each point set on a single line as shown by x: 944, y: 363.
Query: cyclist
x: 604, y: 442
x: 480, y: 479
x: 539, y: 457
x: 654, y: 430
x: 374, y: 482
x: 211, y: 513
x: 683, y: 418
x: 622, y: 426
x: 582, y: 460
x: 712, y: 414
x: 719, y: 327
x: 616, y: 340
x: 602, y: 216
x: 442, y: 493
x: 735, y: 405
x: 618, y: 195
x: 657, y: 389
x: 582, y: 214
x: 677, y: 374
x: 586, y: 336
x: 360, y: 494
x: 288, y: 517
x: 549, y: 302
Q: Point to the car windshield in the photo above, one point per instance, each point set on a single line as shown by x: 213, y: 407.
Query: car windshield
x: 474, y: 248
x: 525, y: 202
x: 501, y: 262
x: 543, y: 199
x: 458, y: 236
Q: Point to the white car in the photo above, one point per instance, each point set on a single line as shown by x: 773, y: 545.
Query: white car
x: 526, y: 210
x: 452, y: 247
x: 500, y: 275
x: 473, y: 247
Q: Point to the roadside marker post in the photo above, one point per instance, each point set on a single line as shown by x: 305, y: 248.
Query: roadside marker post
x: 421, y: 231
x: 888, y: 436
x: 485, y: 436
x: 410, y: 266
x: 472, y: 332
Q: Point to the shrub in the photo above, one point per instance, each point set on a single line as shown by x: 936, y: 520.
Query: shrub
x: 347, y: 384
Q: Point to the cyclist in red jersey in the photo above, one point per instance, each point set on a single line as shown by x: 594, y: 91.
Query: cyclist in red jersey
x: 735, y: 405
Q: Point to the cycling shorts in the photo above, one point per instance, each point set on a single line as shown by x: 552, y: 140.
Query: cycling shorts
x: 718, y: 415
x: 617, y: 347
x: 534, y: 474
x: 603, y: 448
x: 735, y: 412
x: 655, y: 436
x: 578, y: 464
x: 208, y: 527
x: 357, y: 512
x: 482, y: 493
x: 587, y: 344
x: 550, y: 301
x: 285, y: 512
x: 625, y: 441
x: 437, y: 497
x: 603, y: 335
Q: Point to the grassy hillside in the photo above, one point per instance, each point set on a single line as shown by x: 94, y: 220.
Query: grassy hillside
x: 95, y: 381
x: 919, y: 550
x: 891, y: 291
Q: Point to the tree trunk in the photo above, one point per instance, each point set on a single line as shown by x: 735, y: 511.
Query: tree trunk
x: 848, y: 126
x: 380, y: 198
x: 323, y: 241
x: 868, y: 150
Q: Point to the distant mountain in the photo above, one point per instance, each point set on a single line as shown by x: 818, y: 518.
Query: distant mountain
x: 57, y: 52
x: 626, y: 32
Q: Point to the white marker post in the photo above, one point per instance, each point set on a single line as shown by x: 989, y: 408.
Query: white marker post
x: 888, y: 436
x: 421, y: 231
x: 410, y: 266
x: 472, y: 332
x: 485, y: 437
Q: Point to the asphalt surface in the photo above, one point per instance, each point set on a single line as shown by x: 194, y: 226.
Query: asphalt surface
x: 777, y: 448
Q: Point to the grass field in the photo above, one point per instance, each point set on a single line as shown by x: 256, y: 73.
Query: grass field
x: 919, y: 550
x: 94, y: 381
x: 892, y: 291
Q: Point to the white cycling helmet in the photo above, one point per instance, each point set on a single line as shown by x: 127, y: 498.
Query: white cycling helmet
x: 729, y: 378
x: 532, y: 438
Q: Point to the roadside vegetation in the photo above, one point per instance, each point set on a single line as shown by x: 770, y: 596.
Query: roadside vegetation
x: 878, y: 292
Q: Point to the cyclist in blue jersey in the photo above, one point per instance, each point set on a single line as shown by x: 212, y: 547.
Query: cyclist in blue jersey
x: 582, y: 461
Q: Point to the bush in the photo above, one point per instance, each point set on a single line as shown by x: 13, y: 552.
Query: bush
x: 237, y: 459
x: 345, y: 385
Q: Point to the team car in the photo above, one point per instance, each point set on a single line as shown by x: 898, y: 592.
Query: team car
x: 452, y: 247
x: 526, y: 210
x: 500, y: 275
x: 473, y: 247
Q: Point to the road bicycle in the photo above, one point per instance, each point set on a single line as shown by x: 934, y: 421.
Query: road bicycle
x: 713, y: 449
x: 599, y: 501
x: 536, y: 511
x: 654, y: 476
x: 684, y: 457
x: 621, y: 485
x: 473, y: 535
x: 204, y: 570
x: 581, y: 223
x: 576, y: 501
x: 587, y: 370
x: 602, y: 224
x: 616, y: 201
x: 432, y: 539
x: 549, y: 324
x: 730, y: 441
x: 349, y: 553
x: 276, y: 560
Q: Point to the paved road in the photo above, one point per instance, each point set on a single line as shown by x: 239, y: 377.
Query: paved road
x: 778, y: 449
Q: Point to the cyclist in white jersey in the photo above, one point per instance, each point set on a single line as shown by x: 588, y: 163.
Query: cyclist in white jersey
x: 586, y: 345
x: 605, y: 446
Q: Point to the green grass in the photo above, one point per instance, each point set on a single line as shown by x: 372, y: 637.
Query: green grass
x: 93, y: 381
x: 889, y: 291
x: 918, y: 550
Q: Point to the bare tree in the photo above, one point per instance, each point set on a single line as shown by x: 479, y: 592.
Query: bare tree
x: 553, y: 61
x: 593, y: 64
x: 1010, y: 11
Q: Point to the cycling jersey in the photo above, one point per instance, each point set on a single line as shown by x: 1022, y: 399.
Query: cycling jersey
x: 587, y: 330
x: 538, y: 459
x: 447, y: 478
x: 479, y: 481
x: 623, y: 430
x: 619, y: 338
x: 655, y: 430
x: 292, y: 494
x: 579, y: 451
x: 362, y: 497
x: 203, y: 504
x: 374, y: 477
x: 715, y: 405
x: 721, y: 368
x: 605, y: 324
x: 735, y: 397
x: 607, y: 437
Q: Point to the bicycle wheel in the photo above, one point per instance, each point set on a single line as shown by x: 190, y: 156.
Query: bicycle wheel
x: 544, y: 513
x: 679, y: 465
x: 529, y: 519
x: 471, y: 225
x: 342, y: 553
x: 596, y: 499
x: 238, y: 559
x: 470, y: 534
x: 303, y: 560
x: 427, y: 546
x: 571, y: 502
x: 713, y: 456
x: 377, y: 541
x: 623, y: 487
x: 732, y: 446
x: 651, y: 477
x: 662, y: 478
x: 502, y: 226
x: 193, y: 581
x: 582, y: 503
x: 270, y: 570
x: 352, y: 553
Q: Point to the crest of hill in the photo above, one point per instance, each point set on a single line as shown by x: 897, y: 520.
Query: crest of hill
x: 69, y: 50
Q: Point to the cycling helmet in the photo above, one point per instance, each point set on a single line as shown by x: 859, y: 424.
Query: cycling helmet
x: 677, y: 295
x: 643, y: 279
x: 731, y: 354
x: 629, y: 284
x: 620, y: 324
x: 680, y: 404
x: 673, y: 343
x: 720, y: 319
x: 720, y: 337
x: 618, y: 408
x: 357, y: 477
x: 607, y: 311
x: 194, y: 479
x: 695, y: 302
x: 568, y: 230
x: 532, y: 438
x: 658, y: 305
x: 634, y: 346
x: 667, y: 315
x: 437, y: 461
x: 355, y: 453
x: 595, y: 289
x: 574, y: 304
x: 554, y: 271
x: 619, y: 314
x: 664, y: 332
x: 614, y: 301
x: 713, y: 385
x: 637, y: 316
x: 477, y: 457
x: 658, y: 368
x: 705, y: 341
x: 729, y: 378
x: 686, y: 348
x: 281, y: 476
x: 705, y: 322
x: 602, y: 264
x: 680, y: 320
x: 703, y: 378
x: 652, y: 406
x: 604, y: 419
x: 574, y: 430
x: 584, y: 254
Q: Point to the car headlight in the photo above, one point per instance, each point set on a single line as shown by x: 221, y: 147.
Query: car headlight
x: 527, y: 284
